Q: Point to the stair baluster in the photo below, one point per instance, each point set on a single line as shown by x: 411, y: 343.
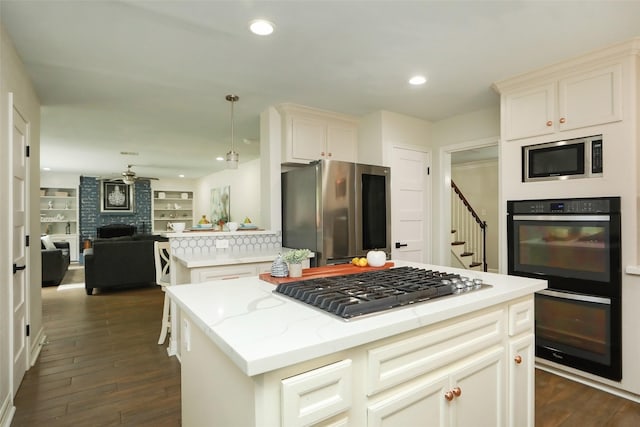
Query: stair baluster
x: 470, y: 229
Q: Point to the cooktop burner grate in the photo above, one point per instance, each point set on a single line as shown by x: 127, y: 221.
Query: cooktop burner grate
x: 359, y: 294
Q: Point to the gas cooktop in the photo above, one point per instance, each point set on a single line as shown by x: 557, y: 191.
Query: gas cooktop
x: 354, y: 295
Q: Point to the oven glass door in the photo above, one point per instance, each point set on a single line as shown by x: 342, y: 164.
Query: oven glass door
x: 570, y: 246
x: 580, y: 331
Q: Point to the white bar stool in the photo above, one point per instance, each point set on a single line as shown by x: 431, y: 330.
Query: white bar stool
x: 162, y: 259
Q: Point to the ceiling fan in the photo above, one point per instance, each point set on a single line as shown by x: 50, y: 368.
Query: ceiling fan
x: 129, y: 177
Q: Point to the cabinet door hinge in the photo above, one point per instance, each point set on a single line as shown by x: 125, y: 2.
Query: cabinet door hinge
x: 28, y: 331
x: 28, y: 151
x: 26, y: 240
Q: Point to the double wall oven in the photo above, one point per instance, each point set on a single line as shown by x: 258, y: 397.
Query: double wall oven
x: 575, y: 245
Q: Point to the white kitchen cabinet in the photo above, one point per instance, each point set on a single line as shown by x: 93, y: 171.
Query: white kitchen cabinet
x: 314, y: 396
x: 310, y: 134
x: 399, y: 361
x: 579, y: 100
x: 219, y: 272
x: 199, y: 275
x: 521, y: 373
x: 466, y: 393
x: 458, y: 372
x: 520, y: 364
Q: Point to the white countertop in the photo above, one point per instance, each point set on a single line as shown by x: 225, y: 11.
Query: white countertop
x: 261, y: 331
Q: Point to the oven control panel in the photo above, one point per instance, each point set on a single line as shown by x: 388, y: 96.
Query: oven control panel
x: 565, y: 206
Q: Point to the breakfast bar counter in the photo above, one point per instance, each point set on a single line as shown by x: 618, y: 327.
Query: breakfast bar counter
x: 291, y: 364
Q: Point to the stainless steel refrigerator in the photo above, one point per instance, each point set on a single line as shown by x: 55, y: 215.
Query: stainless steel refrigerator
x: 339, y: 210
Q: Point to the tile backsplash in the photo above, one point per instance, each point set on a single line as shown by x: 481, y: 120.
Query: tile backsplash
x: 243, y: 242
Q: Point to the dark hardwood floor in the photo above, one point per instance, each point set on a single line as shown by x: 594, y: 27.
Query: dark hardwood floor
x: 564, y: 403
x: 102, y: 366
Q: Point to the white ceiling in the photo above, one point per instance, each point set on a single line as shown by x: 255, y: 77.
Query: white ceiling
x: 151, y: 76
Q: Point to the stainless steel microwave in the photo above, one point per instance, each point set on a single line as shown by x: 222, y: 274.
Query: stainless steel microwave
x: 566, y: 159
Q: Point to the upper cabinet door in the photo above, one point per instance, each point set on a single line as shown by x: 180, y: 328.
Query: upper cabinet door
x: 309, y: 139
x: 310, y: 135
x: 591, y: 98
x: 580, y: 100
x: 530, y: 112
x: 342, y: 142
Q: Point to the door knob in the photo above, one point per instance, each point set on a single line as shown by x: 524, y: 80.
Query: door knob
x: 17, y: 268
x: 400, y: 245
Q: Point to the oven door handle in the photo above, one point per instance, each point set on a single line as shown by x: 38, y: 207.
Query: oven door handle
x: 605, y: 218
x: 575, y: 297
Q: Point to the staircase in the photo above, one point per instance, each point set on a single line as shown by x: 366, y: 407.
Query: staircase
x: 468, y: 234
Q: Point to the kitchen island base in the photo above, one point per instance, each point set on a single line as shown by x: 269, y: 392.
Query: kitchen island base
x: 472, y: 369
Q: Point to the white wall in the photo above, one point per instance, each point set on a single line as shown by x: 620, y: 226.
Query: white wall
x: 465, y: 131
x: 14, y: 80
x: 244, y: 192
x: 52, y: 179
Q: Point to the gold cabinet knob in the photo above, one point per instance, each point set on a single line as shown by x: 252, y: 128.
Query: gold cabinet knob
x: 549, y: 123
x: 322, y: 153
x: 518, y: 359
x: 457, y: 391
x: 449, y: 396
x: 562, y: 120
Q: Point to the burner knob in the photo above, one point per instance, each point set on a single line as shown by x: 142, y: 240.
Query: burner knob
x: 468, y: 284
x: 460, y: 285
x: 477, y: 283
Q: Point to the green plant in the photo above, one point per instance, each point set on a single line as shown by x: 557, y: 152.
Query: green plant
x: 296, y: 256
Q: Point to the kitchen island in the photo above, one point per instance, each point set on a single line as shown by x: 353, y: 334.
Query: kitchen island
x: 254, y: 358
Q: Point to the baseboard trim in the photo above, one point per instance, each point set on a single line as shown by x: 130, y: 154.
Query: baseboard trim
x: 586, y: 381
x: 7, y: 410
x: 35, y: 350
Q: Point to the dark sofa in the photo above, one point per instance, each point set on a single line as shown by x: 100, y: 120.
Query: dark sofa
x: 55, y: 263
x: 120, y: 262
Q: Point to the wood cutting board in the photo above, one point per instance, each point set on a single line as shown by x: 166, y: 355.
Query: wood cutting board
x: 325, y: 271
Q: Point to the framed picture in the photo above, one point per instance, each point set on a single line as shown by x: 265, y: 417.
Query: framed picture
x: 116, y: 196
x: 220, y: 204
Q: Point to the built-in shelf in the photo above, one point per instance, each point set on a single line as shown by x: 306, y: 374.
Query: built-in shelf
x: 59, y: 216
x: 172, y: 206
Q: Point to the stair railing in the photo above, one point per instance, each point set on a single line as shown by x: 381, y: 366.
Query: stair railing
x: 470, y: 227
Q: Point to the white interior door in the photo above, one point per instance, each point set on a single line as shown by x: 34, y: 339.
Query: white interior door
x: 19, y: 253
x: 409, y: 203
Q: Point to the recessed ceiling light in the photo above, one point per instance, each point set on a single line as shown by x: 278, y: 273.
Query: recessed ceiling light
x: 219, y: 158
x: 417, y: 80
x: 261, y: 27
x: 46, y: 169
x: 181, y: 176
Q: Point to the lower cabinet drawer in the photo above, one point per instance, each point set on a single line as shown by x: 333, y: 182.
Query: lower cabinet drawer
x: 316, y: 395
x: 394, y: 363
x: 521, y: 317
x: 222, y: 273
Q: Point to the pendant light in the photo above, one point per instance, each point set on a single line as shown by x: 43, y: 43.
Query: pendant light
x: 232, y: 156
